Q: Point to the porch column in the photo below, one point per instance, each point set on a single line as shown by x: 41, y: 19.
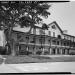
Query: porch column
x: 27, y: 48
x: 61, y: 52
x: 34, y: 50
x: 18, y: 49
x: 50, y: 51
x: 66, y: 51
x: 42, y: 50
x: 56, y: 51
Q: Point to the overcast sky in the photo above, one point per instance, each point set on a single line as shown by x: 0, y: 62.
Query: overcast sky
x: 64, y: 15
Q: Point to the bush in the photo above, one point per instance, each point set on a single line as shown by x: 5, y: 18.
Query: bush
x: 29, y: 52
x: 72, y: 53
x: 2, y: 50
x: 24, y: 52
x: 39, y: 52
x: 46, y: 52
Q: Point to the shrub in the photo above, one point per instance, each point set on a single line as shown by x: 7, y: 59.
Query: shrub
x: 24, y: 52
x: 72, y: 53
x: 39, y: 52
x: 46, y: 52
x: 2, y: 50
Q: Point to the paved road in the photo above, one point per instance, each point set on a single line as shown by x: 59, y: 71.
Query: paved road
x: 38, y: 67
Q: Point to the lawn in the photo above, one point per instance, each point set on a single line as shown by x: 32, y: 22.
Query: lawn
x: 35, y: 59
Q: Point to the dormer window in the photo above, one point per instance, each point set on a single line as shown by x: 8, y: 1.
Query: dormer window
x: 53, y: 27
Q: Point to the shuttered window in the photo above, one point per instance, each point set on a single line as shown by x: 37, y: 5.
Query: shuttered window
x: 49, y: 33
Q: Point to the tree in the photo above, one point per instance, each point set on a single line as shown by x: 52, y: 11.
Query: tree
x: 25, y: 14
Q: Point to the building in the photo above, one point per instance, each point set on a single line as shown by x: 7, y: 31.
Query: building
x: 39, y: 41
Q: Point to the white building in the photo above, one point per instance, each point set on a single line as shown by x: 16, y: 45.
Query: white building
x: 39, y: 41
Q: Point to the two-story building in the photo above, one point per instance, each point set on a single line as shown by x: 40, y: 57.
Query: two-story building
x: 39, y: 41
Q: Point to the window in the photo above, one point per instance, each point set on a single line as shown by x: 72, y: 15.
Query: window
x: 64, y: 37
x: 42, y: 40
x: 57, y: 42
x: 21, y: 40
x: 33, y: 40
x: 53, y: 34
x: 74, y: 44
x: 53, y: 51
x: 34, y: 31
x: 49, y: 41
x: 53, y: 27
x: 71, y: 38
x: 19, y: 36
x: 58, y: 51
x: 39, y: 47
x: 27, y: 37
x: 42, y: 32
x: 67, y: 43
x: 59, y: 36
x: 49, y: 33
x: 61, y: 43
x: 74, y: 39
x: 54, y: 42
x: 64, y: 43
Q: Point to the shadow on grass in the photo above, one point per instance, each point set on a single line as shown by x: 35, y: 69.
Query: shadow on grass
x: 35, y: 59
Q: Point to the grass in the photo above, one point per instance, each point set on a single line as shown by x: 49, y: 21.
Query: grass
x: 35, y: 59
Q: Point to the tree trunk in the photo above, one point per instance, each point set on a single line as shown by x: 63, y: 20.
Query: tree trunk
x: 13, y: 51
x: 11, y: 42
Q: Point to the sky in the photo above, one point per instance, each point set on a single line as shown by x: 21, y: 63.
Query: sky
x: 64, y: 15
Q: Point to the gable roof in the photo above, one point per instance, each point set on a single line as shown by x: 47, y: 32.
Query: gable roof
x: 27, y: 29
x: 54, y: 22
x: 60, y: 29
x: 69, y: 35
x: 38, y: 27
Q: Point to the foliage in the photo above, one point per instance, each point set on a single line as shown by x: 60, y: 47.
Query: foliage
x: 22, y: 13
x: 46, y: 52
x: 26, y: 13
x: 39, y: 52
x: 72, y: 53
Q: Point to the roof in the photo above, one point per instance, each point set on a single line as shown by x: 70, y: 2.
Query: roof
x: 37, y: 27
x: 24, y: 30
x: 56, y: 25
x: 69, y: 35
x: 61, y: 29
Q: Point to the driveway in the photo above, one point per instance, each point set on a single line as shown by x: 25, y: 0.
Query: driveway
x: 38, y: 67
